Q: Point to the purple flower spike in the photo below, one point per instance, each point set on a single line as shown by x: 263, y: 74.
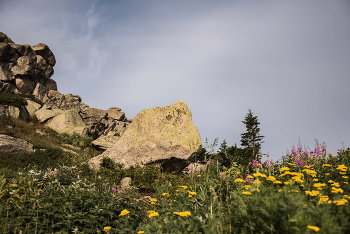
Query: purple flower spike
x: 114, y: 189
x: 255, y: 163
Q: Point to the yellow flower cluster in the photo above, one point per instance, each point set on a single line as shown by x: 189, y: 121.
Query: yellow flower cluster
x: 312, y: 193
x: 284, y: 169
x: 246, y: 193
x: 319, y: 185
x: 152, y: 213
x: 184, y: 187
x: 239, y: 180
x: 342, y: 167
x: 340, y: 202
x: 153, y: 201
x: 310, y: 172
x: 327, y: 165
x: 166, y: 194
x: 271, y: 178
x: 316, y: 229
x: 259, y: 175
x: 246, y: 187
x: 335, y: 184
x: 277, y: 182
x: 124, y: 212
x: 323, y: 199
x: 185, y: 213
x: 106, y: 229
x: 190, y: 194
x: 337, y: 190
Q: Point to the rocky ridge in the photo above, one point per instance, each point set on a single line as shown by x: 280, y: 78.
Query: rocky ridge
x: 26, y: 69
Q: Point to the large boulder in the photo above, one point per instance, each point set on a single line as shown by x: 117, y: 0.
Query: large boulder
x: 32, y: 107
x: 44, y: 51
x: 45, y: 113
x: 162, y: 135
x: 68, y: 122
x: 14, y: 145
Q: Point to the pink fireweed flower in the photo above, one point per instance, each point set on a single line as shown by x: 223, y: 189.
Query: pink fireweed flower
x: 255, y: 163
x: 48, y: 169
x: 299, y: 162
x: 114, y: 189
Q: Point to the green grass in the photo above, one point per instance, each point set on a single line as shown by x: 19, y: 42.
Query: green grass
x: 62, y: 195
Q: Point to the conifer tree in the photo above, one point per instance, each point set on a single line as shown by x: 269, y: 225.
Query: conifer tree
x: 251, y: 138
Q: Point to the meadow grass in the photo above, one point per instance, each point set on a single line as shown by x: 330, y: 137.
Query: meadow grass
x: 56, y: 192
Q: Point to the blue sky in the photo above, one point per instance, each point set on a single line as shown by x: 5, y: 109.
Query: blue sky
x: 287, y: 60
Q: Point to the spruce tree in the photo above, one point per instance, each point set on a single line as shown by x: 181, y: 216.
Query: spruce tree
x: 251, y: 138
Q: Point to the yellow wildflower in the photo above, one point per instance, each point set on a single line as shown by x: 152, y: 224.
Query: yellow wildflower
x: 153, y: 201
x: 239, y: 180
x: 246, y: 193
x: 106, y: 229
x: 315, y: 180
x: 341, y: 202
x: 342, y: 167
x: 238, y: 172
x: 345, y: 177
x: 198, y: 175
x: 308, y: 167
x: 246, y: 187
x: 190, y: 194
x: 124, y: 212
x: 318, y: 185
x: 327, y: 165
x: 166, y: 194
x: 259, y: 175
x: 153, y: 214
x: 271, y: 178
x: 284, y: 169
x: 140, y: 232
x: 335, y: 184
x: 185, y: 213
x: 310, y: 172
x: 327, y: 173
x: 291, y: 164
x: 312, y: 193
x: 337, y: 190
x: 184, y: 187
x: 323, y: 199
x: 316, y: 229
x: 277, y: 182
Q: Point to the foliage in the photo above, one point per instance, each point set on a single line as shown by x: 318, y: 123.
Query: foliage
x: 303, y: 192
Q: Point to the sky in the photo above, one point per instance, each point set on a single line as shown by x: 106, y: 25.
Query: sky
x: 289, y: 61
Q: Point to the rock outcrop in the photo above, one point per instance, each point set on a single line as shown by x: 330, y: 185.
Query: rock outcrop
x: 26, y: 69
x: 14, y: 145
x: 69, y: 122
x: 163, y: 135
